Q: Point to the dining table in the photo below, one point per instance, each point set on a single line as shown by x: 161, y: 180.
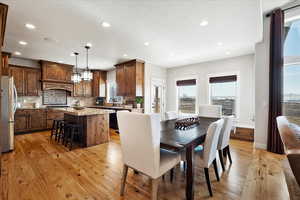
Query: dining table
x: 181, y: 140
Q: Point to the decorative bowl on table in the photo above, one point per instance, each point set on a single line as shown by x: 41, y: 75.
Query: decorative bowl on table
x: 187, y: 123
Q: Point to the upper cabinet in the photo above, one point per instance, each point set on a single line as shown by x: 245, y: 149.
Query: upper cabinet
x: 3, y: 17
x: 56, y: 72
x: 83, y: 89
x: 27, y: 80
x: 4, y: 63
x: 99, y: 83
x: 130, y: 78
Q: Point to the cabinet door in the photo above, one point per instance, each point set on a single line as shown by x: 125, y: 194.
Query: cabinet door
x: 87, y: 88
x: 18, y: 74
x: 37, y: 120
x: 21, y: 123
x: 95, y: 83
x: 130, y: 80
x: 32, y: 82
x: 78, y: 89
x: 120, y: 79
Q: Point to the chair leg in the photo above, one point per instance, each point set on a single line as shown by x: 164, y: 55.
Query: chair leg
x: 172, y: 175
x: 221, y: 160
x: 154, y: 183
x: 216, y: 169
x: 123, y: 182
x: 208, y: 181
x: 229, y: 155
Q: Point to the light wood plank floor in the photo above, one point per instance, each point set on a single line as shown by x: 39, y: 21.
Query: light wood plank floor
x: 40, y: 169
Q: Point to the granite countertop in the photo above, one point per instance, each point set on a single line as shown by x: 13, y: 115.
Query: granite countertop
x: 113, y: 107
x: 31, y: 108
x: 83, y: 112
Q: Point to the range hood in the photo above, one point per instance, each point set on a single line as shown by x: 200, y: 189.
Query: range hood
x: 56, y: 76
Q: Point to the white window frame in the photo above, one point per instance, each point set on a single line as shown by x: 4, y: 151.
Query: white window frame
x: 237, y: 73
x: 197, y: 91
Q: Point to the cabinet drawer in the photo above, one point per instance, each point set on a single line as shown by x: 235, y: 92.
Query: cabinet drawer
x: 55, y: 115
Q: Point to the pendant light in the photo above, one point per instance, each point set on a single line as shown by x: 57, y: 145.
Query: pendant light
x: 76, y: 77
x: 87, y: 75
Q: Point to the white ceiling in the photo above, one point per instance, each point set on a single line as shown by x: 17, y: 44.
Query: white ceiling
x: 172, y: 27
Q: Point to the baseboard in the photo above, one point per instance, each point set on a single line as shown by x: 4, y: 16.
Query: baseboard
x: 260, y: 145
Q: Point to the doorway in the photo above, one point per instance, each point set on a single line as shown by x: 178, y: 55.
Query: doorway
x: 158, y: 93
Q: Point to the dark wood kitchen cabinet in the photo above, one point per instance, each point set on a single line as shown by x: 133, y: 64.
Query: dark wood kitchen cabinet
x: 27, y: 120
x: 83, y: 89
x: 4, y: 65
x: 130, y: 78
x: 56, y: 72
x: 99, y: 83
x: 27, y: 80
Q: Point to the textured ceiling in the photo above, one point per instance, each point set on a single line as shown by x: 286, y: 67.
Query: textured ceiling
x: 172, y: 27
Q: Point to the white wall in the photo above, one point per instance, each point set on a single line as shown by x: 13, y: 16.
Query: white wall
x: 243, y: 66
x: 152, y: 72
x: 262, y: 88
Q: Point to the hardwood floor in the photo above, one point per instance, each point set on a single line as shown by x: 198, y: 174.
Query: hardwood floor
x: 40, y: 169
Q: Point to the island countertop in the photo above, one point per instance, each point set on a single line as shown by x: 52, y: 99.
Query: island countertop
x: 83, y: 112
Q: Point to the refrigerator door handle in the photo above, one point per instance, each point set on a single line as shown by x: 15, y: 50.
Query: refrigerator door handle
x: 15, y: 99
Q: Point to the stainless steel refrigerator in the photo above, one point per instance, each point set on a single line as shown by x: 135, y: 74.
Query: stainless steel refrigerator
x: 8, y: 109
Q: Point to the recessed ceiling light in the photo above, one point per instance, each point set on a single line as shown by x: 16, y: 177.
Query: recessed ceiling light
x: 204, y: 23
x: 17, y: 53
x: 89, y: 44
x: 125, y: 55
x: 30, y: 26
x: 228, y: 52
x: 146, y: 43
x: 23, y: 43
x: 220, y: 44
x: 105, y: 24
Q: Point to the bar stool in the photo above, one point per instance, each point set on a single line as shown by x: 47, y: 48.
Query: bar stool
x: 56, y: 126
x: 72, y: 132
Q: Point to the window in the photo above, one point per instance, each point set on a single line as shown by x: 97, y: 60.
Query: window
x: 223, y: 90
x: 187, y: 96
x: 291, y: 70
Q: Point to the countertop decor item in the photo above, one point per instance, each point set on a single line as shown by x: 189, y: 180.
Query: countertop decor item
x: 87, y: 75
x: 76, y: 77
x: 187, y: 123
x: 139, y: 101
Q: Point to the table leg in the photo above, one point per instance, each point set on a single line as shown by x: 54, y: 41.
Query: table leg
x: 190, y: 173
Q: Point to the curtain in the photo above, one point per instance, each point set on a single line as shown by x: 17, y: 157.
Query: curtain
x: 276, y: 80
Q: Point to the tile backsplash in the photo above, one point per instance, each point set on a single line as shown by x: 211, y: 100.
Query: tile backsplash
x: 25, y: 101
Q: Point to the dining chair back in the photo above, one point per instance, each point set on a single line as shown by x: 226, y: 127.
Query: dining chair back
x: 225, y: 132
x: 223, y: 145
x: 171, y: 115
x: 211, y: 142
x: 214, y: 111
x: 140, y: 141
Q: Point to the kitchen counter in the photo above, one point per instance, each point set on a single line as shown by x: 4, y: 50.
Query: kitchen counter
x: 83, y: 112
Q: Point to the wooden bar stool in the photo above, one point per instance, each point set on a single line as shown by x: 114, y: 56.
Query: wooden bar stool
x: 55, y: 131
x: 72, y: 132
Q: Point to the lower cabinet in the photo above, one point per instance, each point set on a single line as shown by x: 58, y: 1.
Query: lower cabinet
x: 27, y: 120
x: 51, y: 115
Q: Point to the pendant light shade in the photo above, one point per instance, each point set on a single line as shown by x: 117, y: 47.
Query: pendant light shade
x: 76, y: 77
x: 87, y: 75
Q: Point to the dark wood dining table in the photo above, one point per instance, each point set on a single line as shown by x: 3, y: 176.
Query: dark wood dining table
x: 180, y: 140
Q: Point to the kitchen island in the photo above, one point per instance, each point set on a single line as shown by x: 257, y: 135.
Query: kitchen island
x: 95, y: 123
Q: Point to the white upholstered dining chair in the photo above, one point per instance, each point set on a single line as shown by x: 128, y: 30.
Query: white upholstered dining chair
x: 205, y: 155
x: 140, y: 144
x: 223, y: 145
x: 214, y: 111
x: 171, y: 115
